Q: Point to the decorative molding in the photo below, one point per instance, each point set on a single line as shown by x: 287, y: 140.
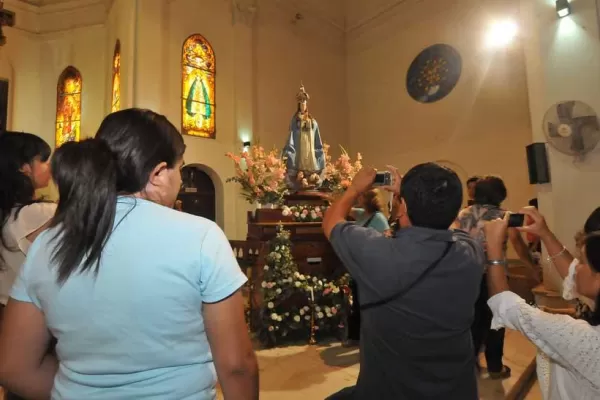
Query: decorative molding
x: 43, y: 16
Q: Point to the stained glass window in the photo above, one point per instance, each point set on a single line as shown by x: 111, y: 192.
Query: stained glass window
x: 198, y: 87
x: 115, y: 104
x: 68, y: 106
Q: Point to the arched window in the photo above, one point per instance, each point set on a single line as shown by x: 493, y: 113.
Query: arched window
x: 115, y: 102
x: 68, y: 106
x: 198, y: 87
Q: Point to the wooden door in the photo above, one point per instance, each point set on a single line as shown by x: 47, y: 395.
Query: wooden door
x: 197, y: 193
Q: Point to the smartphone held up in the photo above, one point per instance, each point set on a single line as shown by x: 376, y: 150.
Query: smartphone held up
x: 516, y: 220
x: 383, y: 179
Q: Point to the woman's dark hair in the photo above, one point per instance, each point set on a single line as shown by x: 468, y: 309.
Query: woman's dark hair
x: 490, y: 190
x: 16, y: 189
x: 473, y: 179
x: 592, y: 223
x: 372, y: 201
x: 533, y: 202
x: 433, y: 195
x: 91, y: 174
x: 591, y: 229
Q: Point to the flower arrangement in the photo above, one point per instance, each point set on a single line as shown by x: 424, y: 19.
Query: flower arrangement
x: 338, y: 174
x: 291, y: 300
x: 260, y: 174
x: 309, y: 182
x: 304, y: 213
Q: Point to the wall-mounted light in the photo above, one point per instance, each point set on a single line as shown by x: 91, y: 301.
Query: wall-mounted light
x: 501, y: 34
x: 246, y: 146
x: 563, y: 8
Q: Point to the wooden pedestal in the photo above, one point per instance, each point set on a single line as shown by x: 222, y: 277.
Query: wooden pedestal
x: 311, y: 250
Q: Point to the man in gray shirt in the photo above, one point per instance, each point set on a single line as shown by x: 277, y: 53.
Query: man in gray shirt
x: 417, y: 289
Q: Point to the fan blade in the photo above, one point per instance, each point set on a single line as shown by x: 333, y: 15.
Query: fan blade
x: 565, y: 111
x: 552, y: 130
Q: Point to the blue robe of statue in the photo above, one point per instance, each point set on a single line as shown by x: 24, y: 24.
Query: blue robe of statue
x: 304, y: 148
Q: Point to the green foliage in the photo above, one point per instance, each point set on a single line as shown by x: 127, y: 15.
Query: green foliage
x: 287, y: 297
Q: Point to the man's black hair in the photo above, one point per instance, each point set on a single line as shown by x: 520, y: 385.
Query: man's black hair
x: 490, y: 190
x: 433, y: 195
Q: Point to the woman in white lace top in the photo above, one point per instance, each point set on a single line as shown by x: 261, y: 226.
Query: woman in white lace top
x: 569, y: 349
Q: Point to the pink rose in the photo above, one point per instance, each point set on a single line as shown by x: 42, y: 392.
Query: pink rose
x: 333, y: 310
x: 326, y: 291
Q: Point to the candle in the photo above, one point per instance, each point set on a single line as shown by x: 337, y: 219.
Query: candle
x: 312, y: 294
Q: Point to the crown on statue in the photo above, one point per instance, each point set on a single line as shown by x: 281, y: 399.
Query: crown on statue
x: 302, y: 96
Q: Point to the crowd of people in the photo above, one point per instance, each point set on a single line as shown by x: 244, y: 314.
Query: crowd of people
x: 437, y: 292
x: 111, y: 293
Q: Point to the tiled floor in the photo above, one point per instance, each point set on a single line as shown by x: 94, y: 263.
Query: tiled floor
x: 314, y: 372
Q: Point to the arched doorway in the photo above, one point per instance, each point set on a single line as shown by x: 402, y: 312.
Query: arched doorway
x: 197, y: 193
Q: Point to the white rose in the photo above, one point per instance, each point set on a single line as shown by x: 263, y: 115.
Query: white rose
x: 270, y: 304
x: 327, y: 309
x: 266, y: 267
x: 297, y: 318
x: 278, y: 291
x: 301, y: 311
x: 297, y: 274
x: 317, y: 209
x: 306, y: 308
x: 320, y: 315
x: 274, y: 317
x: 278, y: 256
x: 263, y: 284
x: 302, y: 277
x: 336, y: 290
x: 315, y: 279
x: 296, y: 214
x: 317, y: 308
x: 298, y: 284
x: 307, y: 317
x: 286, y: 212
x: 329, y: 315
x: 277, y: 248
x: 279, y: 319
x: 321, y: 283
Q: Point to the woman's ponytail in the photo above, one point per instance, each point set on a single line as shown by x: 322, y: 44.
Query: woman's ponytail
x: 86, y: 175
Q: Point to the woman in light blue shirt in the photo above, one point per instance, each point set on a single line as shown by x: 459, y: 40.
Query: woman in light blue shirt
x: 370, y: 212
x: 369, y: 215
x: 143, y: 300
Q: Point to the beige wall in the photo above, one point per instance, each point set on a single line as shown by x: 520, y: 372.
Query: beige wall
x: 261, y: 60
x: 562, y: 58
x: 120, y: 24
x: 482, y: 127
x: 353, y: 61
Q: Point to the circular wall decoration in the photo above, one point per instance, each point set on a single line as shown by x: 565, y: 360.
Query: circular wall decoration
x: 433, y: 73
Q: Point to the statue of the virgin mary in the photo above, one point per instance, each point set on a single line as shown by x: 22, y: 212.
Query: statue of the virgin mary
x: 304, y: 149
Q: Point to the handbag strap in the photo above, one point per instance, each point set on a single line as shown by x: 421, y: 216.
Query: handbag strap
x: 403, y: 291
x: 368, y: 222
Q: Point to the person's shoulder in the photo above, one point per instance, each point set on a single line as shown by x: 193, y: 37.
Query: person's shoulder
x: 381, y: 220
x: 380, y: 216
x: 36, y: 209
x: 468, y: 245
x: 176, y: 221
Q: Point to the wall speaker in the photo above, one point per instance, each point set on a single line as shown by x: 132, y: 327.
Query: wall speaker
x: 537, y: 163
